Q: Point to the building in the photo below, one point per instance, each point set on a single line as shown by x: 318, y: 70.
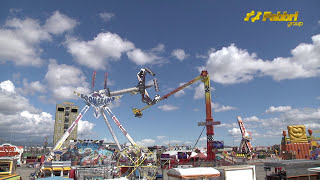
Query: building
x: 66, y: 114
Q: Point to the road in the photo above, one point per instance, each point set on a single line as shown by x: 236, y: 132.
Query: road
x: 25, y: 171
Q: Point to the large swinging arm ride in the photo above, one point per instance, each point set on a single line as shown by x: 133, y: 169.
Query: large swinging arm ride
x: 203, y: 77
x: 209, y: 123
x: 140, y: 88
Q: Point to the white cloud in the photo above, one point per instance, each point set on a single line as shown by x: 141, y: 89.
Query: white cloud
x: 20, y: 38
x: 85, y: 128
x: 115, y: 104
x: 234, y: 132
x: 150, y: 56
x: 12, y: 102
x: 32, y: 88
x: 140, y: 57
x: 272, y: 122
x: 172, y: 142
x: 215, y: 105
x: 318, y: 97
x: 179, y: 54
x: 199, y: 91
x: 21, y: 119
x: 19, y: 41
x: 30, y: 124
x: 252, y: 119
x: 182, y: 92
x: 7, y: 86
x: 221, y: 108
x: 201, y: 56
x: 315, y: 125
x: 106, y: 16
x: 15, y: 10
x: 158, y: 49
x: 273, y: 127
x: 304, y: 115
x: 205, y: 56
x: 271, y: 133
x: 37, y: 118
x: 59, y: 23
x: 107, y: 140
x: 28, y: 30
x: 167, y: 107
x: 273, y: 109
x: 107, y: 47
x: 160, y: 137
x: 146, y: 142
x: 233, y: 65
x: 97, y: 53
x: 63, y: 80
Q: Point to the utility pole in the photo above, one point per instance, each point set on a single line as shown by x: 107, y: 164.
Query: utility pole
x: 45, y: 144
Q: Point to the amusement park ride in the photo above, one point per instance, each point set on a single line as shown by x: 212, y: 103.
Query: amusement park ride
x: 204, y: 77
x: 100, y: 100
x: 134, y: 155
x: 245, y: 144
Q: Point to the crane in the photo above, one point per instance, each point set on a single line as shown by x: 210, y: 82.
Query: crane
x: 204, y: 77
x: 245, y: 144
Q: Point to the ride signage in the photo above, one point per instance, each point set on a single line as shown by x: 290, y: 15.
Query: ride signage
x: 9, y: 151
x: 98, y: 100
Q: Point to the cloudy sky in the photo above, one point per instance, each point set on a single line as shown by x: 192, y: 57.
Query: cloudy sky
x: 265, y: 72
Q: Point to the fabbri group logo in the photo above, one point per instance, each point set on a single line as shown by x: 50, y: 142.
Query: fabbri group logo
x: 290, y: 18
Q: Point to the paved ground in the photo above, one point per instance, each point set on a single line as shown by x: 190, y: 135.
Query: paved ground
x: 261, y: 174
x: 25, y: 171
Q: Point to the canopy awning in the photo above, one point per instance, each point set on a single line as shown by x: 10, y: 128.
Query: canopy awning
x: 66, y: 168
x: 193, y: 173
x: 57, y: 168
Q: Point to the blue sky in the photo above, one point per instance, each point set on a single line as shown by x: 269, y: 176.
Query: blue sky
x: 265, y: 72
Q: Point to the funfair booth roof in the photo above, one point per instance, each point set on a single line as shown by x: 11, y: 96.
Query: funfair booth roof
x: 193, y: 173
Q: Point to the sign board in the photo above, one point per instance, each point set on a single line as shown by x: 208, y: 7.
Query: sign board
x: 315, y: 135
x: 209, y: 123
x: 218, y: 144
x: 9, y: 151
